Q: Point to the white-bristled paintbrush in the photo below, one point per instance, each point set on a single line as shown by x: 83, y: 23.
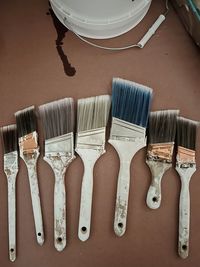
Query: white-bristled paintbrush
x: 185, y: 166
x: 10, y: 147
x: 58, y: 122
x: 29, y: 152
x: 93, y: 115
x: 161, y: 138
x: 130, y: 110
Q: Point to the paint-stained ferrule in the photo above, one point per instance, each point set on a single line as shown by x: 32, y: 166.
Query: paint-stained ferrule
x: 11, y: 163
x: 91, y: 139
x: 28, y: 144
x: 125, y: 131
x: 59, y: 151
x: 185, y: 157
x: 161, y: 152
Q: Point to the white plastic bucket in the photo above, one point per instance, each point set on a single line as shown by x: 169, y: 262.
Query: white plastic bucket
x: 100, y: 19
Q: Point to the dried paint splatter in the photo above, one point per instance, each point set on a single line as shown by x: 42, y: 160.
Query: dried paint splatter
x: 61, y: 31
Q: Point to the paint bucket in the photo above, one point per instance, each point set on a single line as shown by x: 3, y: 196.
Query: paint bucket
x: 100, y: 19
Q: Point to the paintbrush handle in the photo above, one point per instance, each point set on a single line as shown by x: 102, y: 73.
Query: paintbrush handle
x: 11, y: 170
x: 158, y: 169
x: 31, y: 163
x: 12, y: 215
x: 59, y: 162
x: 126, y: 151
x: 121, y: 207
x: 184, y: 211
x: 89, y: 158
x: 59, y: 210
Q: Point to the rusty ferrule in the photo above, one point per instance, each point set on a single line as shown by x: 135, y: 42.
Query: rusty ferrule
x: 28, y: 144
x: 160, y: 152
x: 185, y: 157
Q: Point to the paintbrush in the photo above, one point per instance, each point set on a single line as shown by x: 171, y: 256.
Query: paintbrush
x: 185, y: 166
x: 10, y: 148
x: 58, y: 122
x: 161, y: 138
x: 92, y: 119
x: 130, y: 110
x: 29, y: 152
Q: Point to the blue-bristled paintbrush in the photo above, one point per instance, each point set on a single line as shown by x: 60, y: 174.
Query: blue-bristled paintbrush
x: 130, y: 111
x: 185, y: 166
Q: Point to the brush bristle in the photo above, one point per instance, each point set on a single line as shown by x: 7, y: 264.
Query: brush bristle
x: 186, y: 133
x: 57, y: 117
x: 93, y: 112
x: 131, y: 101
x: 26, y: 121
x: 162, y: 126
x: 9, y: 138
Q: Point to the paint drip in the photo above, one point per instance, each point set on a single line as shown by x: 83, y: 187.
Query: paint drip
x: 61, y: 32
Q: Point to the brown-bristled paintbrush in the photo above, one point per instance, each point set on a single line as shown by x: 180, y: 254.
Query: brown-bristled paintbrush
x: 29, y: 152
x: 161, y: 138
x: 58, y: 122
x: 185, y: 166
x: 10, y: 147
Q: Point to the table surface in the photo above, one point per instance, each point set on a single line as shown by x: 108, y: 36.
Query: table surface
x: 35, y: 70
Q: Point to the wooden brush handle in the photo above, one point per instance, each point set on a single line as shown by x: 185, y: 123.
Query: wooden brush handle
x: 158, y: 169
x: 12, y: 215
x: 31, y: 164
x: 89, y: 158
x: 184, y: 211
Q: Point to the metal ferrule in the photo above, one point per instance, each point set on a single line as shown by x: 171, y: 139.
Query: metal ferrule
x: 91, y: 139
x: 126, y: 131
x: 185, y: 157
x: 11, y: 163
x: 60, y: 147
x: 28, y: 146
x: 161, y: 152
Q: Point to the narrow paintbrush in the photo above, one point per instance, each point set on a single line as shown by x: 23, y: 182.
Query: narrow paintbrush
x: 130, y: 110
x: 161, y: 137
x: 185, y: 166
x: 29, y: 152
x: 9, y: 138
x: 93, y: 115
x: 58, y: 122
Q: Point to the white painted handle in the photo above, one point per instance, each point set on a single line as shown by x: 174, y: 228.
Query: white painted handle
x: 184, y: 210
x: 35, y: 196
x: 12, y: 216
x: 184, y: 220
x: 121, y: 207
x: 151, y: 31
x: 59, y: 211
x: 126, y: 151
x: 89, y: 158
x: 154, y: 195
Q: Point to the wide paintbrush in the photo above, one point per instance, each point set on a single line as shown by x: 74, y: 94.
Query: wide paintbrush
x: 58, y: 122
x: 90, y: 145
x: 130, y: 111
